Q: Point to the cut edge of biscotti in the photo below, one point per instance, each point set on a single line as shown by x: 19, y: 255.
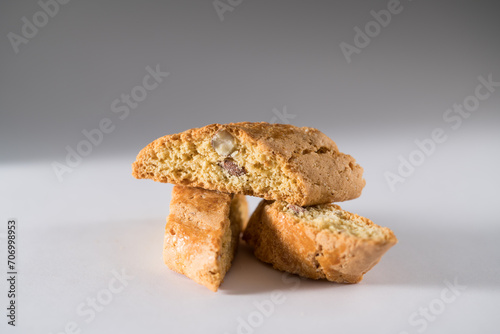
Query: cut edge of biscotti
x: 301, y: 166
x: 334, y: 219
x: 318, y: 242
x: 203, y: 248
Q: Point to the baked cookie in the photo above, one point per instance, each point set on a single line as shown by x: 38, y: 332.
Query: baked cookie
x: 317, y: 242
x: 301, y: 166
x: 202, y: 233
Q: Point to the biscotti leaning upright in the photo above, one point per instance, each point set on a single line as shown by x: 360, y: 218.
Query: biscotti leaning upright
x: 301, y: 166
x: 202, y: 233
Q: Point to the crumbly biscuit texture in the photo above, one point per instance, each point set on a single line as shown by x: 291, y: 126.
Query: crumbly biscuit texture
x: 319, y: 242
x: 301, y: 166
x: 202, y: 233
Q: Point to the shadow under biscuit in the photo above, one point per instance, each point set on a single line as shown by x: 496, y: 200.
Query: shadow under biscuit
x: 248, y: 275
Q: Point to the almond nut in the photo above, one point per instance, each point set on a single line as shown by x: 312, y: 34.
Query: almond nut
x: 296, y: 209
x: 223, y: 143
x: 232, y: 167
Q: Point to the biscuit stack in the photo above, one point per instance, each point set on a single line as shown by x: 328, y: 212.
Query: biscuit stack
x: 298, y: 172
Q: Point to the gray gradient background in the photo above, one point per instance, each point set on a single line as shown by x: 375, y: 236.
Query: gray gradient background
x: 264, y: 55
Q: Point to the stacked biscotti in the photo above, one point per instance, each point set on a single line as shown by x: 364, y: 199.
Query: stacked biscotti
x: 298, y: 172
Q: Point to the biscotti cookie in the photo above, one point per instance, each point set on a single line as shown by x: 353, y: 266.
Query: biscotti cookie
x: 317, y: 242
x: 301, y: 166
x: 202, y: 233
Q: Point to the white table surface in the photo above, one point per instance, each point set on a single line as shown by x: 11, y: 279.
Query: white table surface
x: 264, y: 60
x: 73, y: 235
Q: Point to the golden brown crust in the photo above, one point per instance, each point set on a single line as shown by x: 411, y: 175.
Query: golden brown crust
x: 322, y: 174
x: 292, y: 245
x: 202, y: 233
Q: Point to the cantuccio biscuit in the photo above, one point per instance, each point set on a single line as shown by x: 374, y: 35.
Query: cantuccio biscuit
x: 202, y: 233
x: 317, y: 242
x: 301, y: 166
